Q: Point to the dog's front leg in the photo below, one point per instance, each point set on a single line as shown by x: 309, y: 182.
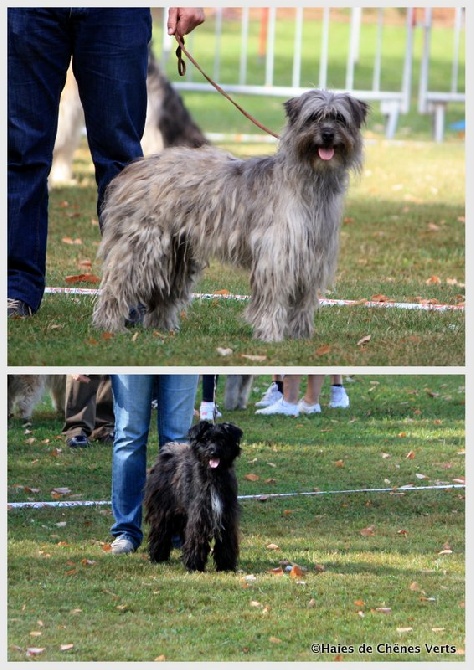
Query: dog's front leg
x: 196, y: 546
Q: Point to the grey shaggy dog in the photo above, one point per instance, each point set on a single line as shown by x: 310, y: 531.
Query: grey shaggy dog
x: 165, y: 216
x: 191, y: 492
x: 237, y: 391
x: 26, y: 391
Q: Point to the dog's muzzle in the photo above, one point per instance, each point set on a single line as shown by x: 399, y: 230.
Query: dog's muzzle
x: 326, y: 150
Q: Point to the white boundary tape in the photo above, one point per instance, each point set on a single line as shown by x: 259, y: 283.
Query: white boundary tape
x: 253, y: 496
x: 323, y: 301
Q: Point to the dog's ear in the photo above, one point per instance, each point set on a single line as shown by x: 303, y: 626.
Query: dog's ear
x: 232, y: 431
x: 199, y: 430
x: 292, y: 108
x: 359, y: 110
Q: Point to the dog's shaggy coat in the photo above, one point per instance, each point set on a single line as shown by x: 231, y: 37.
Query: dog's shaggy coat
x: 165, y: 216
x: 26, y: 391
x: 191, y: 492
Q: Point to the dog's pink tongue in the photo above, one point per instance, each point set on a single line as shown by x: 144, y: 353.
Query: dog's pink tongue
x: 326, y: 154
x: 214, y: 462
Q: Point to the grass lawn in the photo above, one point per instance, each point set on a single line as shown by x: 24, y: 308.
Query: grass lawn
x: 381, y: 568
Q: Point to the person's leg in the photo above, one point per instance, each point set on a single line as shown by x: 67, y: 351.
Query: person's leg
x: 132, y: 409
x: 80, y: 410
x: 208, y: 409
x: 110, y: 61
x: 310, y: 401
x: 39, y: 52
x: 176, y: 397
x: 104, y: 413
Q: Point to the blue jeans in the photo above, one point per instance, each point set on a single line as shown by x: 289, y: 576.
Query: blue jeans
x: 109, y: 51
x: 133, y: 395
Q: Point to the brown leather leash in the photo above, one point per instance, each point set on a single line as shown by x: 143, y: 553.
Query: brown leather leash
x: 182, y: 71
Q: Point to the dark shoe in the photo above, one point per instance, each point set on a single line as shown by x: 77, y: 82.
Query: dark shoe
x: 17, y: 309
x: 136, y: 315
x: 77, y: 441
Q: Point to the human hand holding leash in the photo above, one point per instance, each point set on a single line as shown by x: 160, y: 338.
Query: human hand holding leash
x: 182, y: 20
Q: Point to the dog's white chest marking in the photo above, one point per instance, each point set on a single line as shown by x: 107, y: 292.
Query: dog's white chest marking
x: 216, y: 505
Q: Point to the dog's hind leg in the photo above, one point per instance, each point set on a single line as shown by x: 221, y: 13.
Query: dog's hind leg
x: 182, y: 273
x: 159, y: 542
x: 301, y: 314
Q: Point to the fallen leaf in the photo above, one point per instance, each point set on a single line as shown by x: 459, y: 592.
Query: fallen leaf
x: 82, y: 278
x: 254, y: 357
x: 273, y: 547
x: 323, y: 350
x: 339, y: 464
x: 402, y: 434
x: 160, y: 658
x: 275, y: 640
x: 367, y: 532
x: 363, y: 340
x: 383, y: 610
x: 402, y: 532
x: 404, y: 630
x: 433, y: 280
x: 61, y: 491
x: 379, y: 297
x: 411, y: 454
x: 296, y: 571
x: 66, y: 647
x: 251, y: 477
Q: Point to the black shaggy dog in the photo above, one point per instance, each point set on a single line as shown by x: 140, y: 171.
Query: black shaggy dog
x: 191, y: 492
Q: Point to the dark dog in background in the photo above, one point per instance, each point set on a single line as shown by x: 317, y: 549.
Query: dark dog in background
x: 191, y: 492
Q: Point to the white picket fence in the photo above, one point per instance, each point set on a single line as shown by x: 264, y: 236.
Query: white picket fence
x: 435, y: 101
x: 393, y: 100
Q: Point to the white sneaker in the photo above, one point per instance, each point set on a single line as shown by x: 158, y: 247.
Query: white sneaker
x: 339, y: 397
x: 280, y: 407
x: 271, y: 396
x: 122, y: 545
x: 305, y: 408
x: 208, y: 412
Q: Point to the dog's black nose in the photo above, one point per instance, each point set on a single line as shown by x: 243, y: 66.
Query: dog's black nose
x: 327, y: 135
